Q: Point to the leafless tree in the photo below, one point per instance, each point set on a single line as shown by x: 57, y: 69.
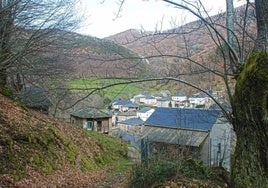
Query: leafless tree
x: 29, y: 35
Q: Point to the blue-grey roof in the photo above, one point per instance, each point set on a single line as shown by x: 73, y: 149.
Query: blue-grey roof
x: 164, y: 99
x: 199, y: 95
x: 198, y: 119
x: 149, y: 97
x: 175, y: 136
x: 127, y: 103
x: 127, y: 137
x: 180, y: 95
x: 146, y: 109
x: 91, y: 113
x: 133, y: 121
x: 227, y: 107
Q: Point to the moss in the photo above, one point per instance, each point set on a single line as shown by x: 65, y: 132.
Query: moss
x: 250, y: 109
x: 86, y: 163
x: 7, y: 92
x: 252, y: 88
x: 36, y: 159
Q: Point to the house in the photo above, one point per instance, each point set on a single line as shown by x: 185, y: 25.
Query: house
x: 35, y: 98
x: 179, y: 97
x: 93, y: 119
x: 137, y: 98
x: 164, y: 102
x: 180, y: 132
x: 199, y: 99
x: 119, y: 116
x: 145, y: 99
x: 129, y: 130
x: 131, y: 125
x: 145, y: 113
x: 124, y: 106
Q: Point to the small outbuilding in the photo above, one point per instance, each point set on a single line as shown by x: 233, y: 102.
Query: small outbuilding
x: 93, y: 119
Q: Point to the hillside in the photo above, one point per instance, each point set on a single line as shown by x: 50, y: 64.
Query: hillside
x: 86, y: 56
x: 168, y: 52
x: 38, y: 150
x: 103, y: 58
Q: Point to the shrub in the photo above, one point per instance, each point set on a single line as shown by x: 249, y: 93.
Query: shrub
x: 193, y: 168
x: 153, y: 172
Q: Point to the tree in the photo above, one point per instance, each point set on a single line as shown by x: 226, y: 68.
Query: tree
x: 28, y: 33
x: 250, y: 110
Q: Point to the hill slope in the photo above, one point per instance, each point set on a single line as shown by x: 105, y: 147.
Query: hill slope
x: 103, y: 58
x: 175, y: 52
x: 36, y: 149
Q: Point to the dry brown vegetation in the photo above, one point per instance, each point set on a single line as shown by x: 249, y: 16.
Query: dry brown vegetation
x: 39, y: 151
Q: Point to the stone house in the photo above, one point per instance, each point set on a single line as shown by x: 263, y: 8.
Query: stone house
x: 93, y: 119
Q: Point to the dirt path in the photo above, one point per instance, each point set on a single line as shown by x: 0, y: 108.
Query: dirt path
x: 116, y: 180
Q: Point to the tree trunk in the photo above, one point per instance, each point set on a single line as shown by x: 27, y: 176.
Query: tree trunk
x: 250, y: 110
x: 7, y: 19
x: 230, y: 31
x: 261, y: 7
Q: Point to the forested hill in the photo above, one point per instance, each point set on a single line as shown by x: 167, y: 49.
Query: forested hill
x: 89, y: 56
x: 173, y: 52
x: 38, y: 150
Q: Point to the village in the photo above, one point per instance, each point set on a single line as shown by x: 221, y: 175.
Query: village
x: 167, y: 126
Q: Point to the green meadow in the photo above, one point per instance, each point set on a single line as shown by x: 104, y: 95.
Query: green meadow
x: 116, y: 91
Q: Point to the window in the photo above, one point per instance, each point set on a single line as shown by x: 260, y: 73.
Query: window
x: 89, y: 125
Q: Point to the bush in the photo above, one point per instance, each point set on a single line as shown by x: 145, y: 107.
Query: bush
x: 192, y: 168
x: 153, y: 172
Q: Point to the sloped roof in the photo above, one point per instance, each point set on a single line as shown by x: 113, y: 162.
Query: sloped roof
x: 133, y: 121
x: 174, y: 136
x: 144, y: 110
x: 179, y: 95
x: 164, y: 99
x: 199, y: 95
x: 183, y: 118
x: 90, y: 113
x: 127, y: 103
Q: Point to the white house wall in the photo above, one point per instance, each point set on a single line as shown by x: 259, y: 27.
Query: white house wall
x: 221, y: 138
x: 146, y: 115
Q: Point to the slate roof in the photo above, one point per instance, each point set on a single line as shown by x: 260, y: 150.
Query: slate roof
x: 179, y: 95
x: 174, y: 136
x: 133, y: 121
x: 144, y: 110
x: 126, y: 104
x: 90, y: 113
x: 199, y: 95
x: 183, y: 118
x: 164, y: 99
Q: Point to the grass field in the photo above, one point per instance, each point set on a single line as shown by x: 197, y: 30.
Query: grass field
x: 117, y: 91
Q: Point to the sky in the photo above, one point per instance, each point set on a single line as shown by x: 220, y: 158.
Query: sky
x: 101, y: 20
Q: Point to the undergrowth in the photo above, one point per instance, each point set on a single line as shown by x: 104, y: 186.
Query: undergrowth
x: 161, y: 173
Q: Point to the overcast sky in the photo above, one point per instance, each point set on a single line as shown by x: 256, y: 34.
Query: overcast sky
x: 100, y: 15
